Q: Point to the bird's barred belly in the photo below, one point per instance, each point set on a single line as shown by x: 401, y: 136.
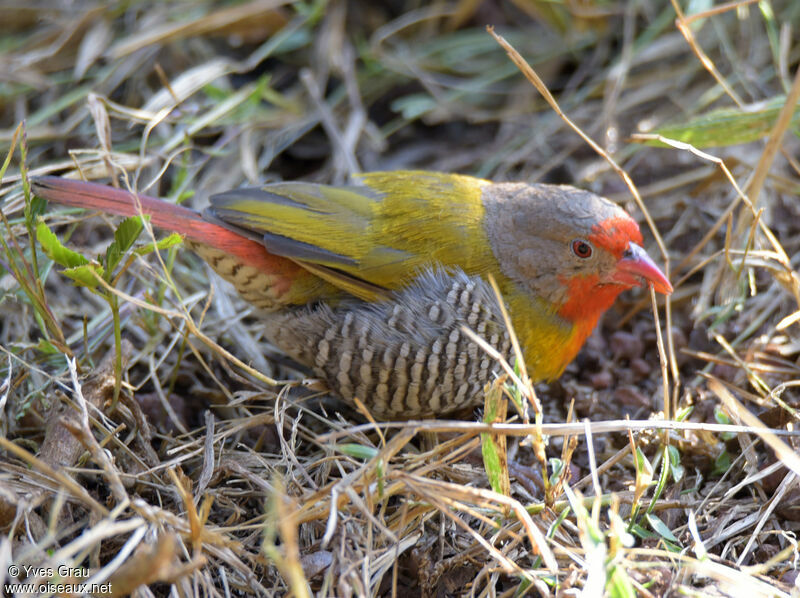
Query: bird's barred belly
x: 406, y: 357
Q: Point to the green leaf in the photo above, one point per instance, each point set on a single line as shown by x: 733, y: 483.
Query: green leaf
x: 727, y: 126
x: 514, y: 391
x: 46, y: 347
x: 414, y: 105
x: 661, y: 528
x: 493, y: 446
x: 522, y: 588
x: 644, y: 467
x: 644, y: 478
x: 683, y: 414
x: 492, y: 463
x: 643, y: 533
x: 34, y: 209
x: 674, y: 455
x: 128, y: 231
x: 359, y: 451
x: 676, y: 468
x: 124, y: 237
x: 671, y: 546
x: 113, y: 256
x: 82, y: 275
x: 722, y: 463
x: 661, y: 484
x: 53, y: 248
x: 380, y: 475
x: 722, y: 418
x: 619, y: 584
x: 556, y: 467
x: 161, y: 244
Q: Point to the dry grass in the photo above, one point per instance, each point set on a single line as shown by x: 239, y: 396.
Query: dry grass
x: 197, y: 476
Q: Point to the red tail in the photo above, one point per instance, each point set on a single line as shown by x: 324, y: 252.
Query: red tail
x: 102, y: 198
x: 171, y: 217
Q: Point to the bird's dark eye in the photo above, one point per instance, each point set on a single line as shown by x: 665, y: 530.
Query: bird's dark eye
x: 581, y: 248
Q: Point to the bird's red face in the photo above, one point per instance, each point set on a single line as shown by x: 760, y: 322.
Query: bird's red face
x: 614, y: 261
x: 620, y: 236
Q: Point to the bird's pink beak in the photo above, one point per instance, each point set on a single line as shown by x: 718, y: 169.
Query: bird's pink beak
x: 636, y: 268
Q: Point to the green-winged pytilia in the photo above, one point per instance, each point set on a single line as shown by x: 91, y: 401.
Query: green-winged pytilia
x: 370, y: 284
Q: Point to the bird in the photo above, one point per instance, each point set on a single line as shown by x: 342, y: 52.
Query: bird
x: 371, y: 284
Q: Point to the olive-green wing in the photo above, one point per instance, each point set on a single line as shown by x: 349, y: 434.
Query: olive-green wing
x: 381, y: 233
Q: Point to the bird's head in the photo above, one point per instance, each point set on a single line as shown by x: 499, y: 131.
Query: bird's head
x: 572, y: 249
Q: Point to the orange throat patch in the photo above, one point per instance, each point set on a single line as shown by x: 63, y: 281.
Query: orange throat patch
x: 587, y: 301
x: 551, y: 337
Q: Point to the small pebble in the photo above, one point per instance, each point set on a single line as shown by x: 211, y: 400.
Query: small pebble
x: 627, y: 395
x: 627, y: 345
x: 680, y: 341
x: 678, y: 338
x: 640, y: 367
x: 725, y: 371
x: 601, y: 380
